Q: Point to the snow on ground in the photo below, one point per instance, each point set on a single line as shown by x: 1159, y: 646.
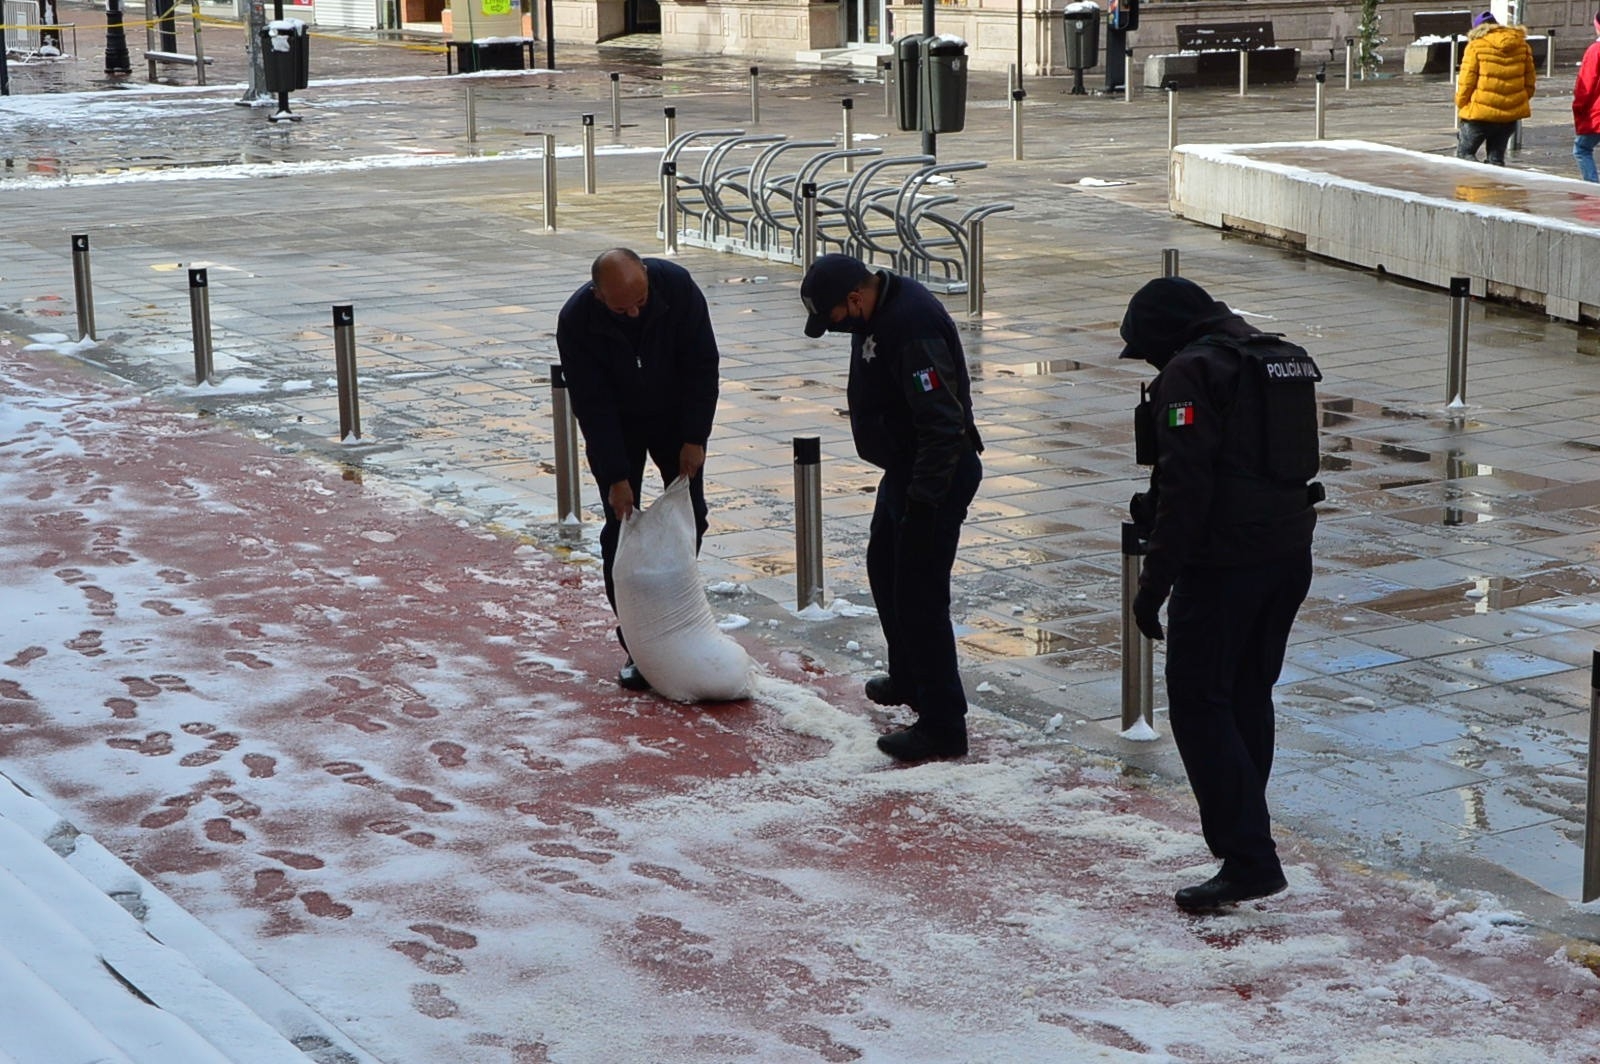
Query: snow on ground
x: 376, y: 750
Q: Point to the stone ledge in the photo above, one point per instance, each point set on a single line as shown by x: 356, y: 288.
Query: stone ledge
x: 1519, y: 235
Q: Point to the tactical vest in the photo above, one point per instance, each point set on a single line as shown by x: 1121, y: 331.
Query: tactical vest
x: 1269, y: 452
x: 1285, y: 378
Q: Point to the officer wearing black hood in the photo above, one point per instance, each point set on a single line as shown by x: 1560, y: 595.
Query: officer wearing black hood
x: 1230, y: 425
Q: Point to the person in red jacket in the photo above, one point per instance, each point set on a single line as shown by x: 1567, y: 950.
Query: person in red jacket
x: 1586, y: 108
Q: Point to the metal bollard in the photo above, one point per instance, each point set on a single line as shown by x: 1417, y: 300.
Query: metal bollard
x: 1451, y: 80
x: 588, y: 155
x: 755, y: 95
x: 200, y: 324
x: 847, y: 108
x: 1455, y: 388
x: 1591, y: 827
x: 669, y: 207
x: 1550, y: 53
x: 83, y: 286
x: 1322, y: 103
x: 1349, y: 60
x: 616, y: 104
x: 975, y: 268
x: 1138, y: 656
x: 1244, y: 72
x: 344, y: 359
x: 1169, y: 262
x: 808, y: 224
x: 888, y: 87
x: 1017, y: 96
x: 1127, y: 75
x: 472, y: 113
x: 808, y: 521
x: 670, y: 114
x: 569, y: 501
x: 1172, y: 114
x: 549, y: 161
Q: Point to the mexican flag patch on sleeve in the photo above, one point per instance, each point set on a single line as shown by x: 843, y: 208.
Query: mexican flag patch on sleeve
x: 1180, y: 414
x: 927, y: 379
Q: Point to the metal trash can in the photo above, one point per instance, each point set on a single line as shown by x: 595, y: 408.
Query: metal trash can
x: 908, y: 80
x: 947, y: 83
x: 286, y: 55
x: 1082, y: 24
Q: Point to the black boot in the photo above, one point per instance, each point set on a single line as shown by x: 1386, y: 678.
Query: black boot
x: 881, y: 689
x: 1229, y: 889
x: 918, y: 743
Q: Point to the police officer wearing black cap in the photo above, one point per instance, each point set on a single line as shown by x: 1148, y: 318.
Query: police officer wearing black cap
x: 1230, y: 425
x: 910, y: 405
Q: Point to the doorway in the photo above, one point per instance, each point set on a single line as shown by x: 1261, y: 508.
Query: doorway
x: 863, y: 21
x: 642, y: 16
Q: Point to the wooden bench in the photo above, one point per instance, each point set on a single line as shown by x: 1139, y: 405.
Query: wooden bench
x: 1209, y: 56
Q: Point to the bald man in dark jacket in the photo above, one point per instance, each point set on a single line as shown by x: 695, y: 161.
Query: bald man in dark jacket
x: 641, y: 366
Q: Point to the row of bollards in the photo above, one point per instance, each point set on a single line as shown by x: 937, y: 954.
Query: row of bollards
x: 1320, y: 127
x: 200, y: 332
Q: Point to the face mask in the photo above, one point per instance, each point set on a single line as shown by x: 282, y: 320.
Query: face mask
x: 849, y: 324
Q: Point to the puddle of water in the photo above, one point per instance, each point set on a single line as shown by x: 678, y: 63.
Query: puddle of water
x: 1041, y: 369
x: 995, y: 639
x: 1485, y: 594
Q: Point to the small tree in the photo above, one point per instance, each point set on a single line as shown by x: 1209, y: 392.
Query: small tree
x: 1367, y: 33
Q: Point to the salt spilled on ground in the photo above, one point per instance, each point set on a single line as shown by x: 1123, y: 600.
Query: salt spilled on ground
x: 377, y: 751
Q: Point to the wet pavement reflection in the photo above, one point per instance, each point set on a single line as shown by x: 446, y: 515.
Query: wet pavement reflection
x: 1435, y: 694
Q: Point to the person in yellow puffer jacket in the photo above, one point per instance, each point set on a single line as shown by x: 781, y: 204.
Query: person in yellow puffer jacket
x: 1493, y: 88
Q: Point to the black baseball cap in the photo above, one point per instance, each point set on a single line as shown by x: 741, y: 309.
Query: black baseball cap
x: 827, y: 284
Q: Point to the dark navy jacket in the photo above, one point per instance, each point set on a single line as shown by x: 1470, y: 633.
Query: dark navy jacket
x: 910, y: 396
x: 663, y: 388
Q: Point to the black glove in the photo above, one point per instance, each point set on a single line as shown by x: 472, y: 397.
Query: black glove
x: 1147, y: 613
x: 1142, y: 510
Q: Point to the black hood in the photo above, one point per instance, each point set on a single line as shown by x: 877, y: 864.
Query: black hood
x: 1166, y: 315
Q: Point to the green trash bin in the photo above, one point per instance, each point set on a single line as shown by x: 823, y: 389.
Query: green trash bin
x: 908, y: 80
x: 1082, y: 24
x: 286, y: 55
x: 947, y: 83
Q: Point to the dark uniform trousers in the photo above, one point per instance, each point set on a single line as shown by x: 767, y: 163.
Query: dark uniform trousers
x: 909, y: 572
x: 663, y: 448
x: 1226, y: 633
